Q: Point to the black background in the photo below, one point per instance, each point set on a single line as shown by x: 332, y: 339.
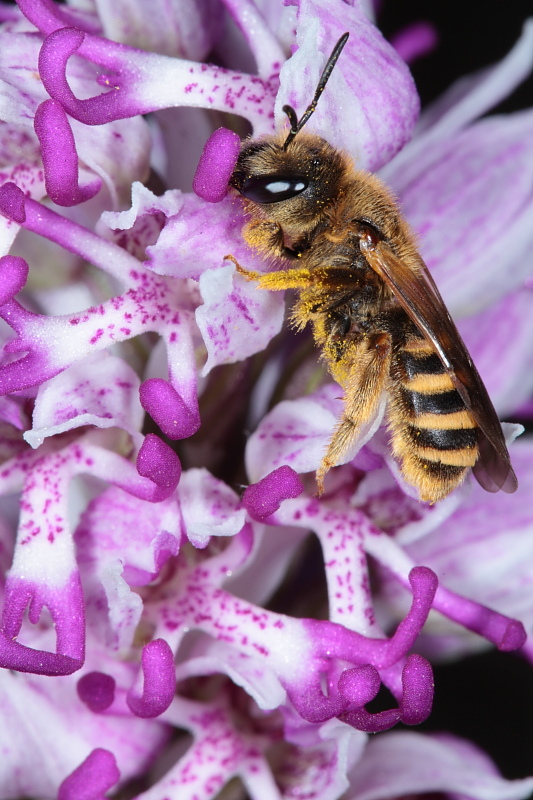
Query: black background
x: 471, y: 35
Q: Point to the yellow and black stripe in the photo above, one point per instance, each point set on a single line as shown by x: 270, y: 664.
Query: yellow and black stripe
x: 433, y: 435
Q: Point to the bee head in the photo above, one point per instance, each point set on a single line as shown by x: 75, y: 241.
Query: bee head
x: 300, y: 179
x: 292, y: 173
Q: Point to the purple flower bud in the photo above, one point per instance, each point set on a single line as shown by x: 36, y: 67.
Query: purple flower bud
x: 263, y: 498
x: 166, y: 407
x: 12, y: 203
x: 359, y: 685
x: 92, y: 779
x: 159, y: 683
x: 96, y: 690
x: 216, y: 165
x: 157, y: 461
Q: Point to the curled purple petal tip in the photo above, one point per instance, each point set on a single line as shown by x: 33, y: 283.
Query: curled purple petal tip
x: 92, y: 779
x: 13, y: 277
x: 96, y: 690
x: 359, y: 685
x: 159, y: 681
x: 363, y: 720
x: 514, y: 637
x: 167, y: 409
x: 418, y: 690
x: 60, y: 159
x: 263, y: 498
x: 12, y: 202
x: 216, y: 165
x: 158, y: 462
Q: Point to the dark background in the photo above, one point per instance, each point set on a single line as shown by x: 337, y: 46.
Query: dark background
x: 488, y: 698
x: 471, y: 35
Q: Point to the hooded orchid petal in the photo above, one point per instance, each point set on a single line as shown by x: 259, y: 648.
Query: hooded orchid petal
x: 379, y: 96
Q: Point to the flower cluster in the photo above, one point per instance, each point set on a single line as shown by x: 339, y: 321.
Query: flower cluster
x: 143, y: 541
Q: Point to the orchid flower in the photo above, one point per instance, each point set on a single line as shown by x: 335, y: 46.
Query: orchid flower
x: 143, y: 538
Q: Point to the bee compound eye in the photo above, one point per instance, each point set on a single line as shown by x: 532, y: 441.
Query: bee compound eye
x: 266, y: 189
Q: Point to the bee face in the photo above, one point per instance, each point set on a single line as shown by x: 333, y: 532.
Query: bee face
x: 298, y: 182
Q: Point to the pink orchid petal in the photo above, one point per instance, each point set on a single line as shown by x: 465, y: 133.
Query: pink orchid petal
x: 179, y: 82
x: 297, y: 432
x: 101, y: 390
x: 370, y: 86
x: 480, y: 520
x: 52, y: 706
x: 502, y: 334
x: 236, y: 319
x: 184, y: 29
x: 209, y: 507
x: 253, y: 25
x: 14, y: 274
x: 478, y: 185
x: 406, y: 763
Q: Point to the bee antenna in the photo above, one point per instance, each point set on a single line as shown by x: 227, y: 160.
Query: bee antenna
x: 296, y: 126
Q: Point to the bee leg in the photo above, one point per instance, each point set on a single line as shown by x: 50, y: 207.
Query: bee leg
x: 246, y: 273
x: 368, y: 377
x: 275, y: 281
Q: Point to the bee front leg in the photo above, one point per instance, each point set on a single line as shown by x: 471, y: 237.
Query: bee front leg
x: 275, y: 281
x: 367, y: 379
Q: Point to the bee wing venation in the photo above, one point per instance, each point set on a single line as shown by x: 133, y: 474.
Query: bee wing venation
x: 420, y: 298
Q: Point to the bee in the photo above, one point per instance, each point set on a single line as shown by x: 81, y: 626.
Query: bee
x: 375, y: 311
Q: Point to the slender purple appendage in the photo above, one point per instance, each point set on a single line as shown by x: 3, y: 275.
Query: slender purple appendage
x: 159, y: 681
x: 13, y: 277
x: 92, y: 779
x: 506, y: 633
x: 263, y: 498
x: 313, y: 706
x: 424, y: 585
x: 415, y: 705
x: 158, y: 462
x: 363, y: 720
x: 168, y: 410
x: 96, y: 690
x: 357, y: 686
x: 216, y: 165
x: 60, y: 159
x: 53, y: 57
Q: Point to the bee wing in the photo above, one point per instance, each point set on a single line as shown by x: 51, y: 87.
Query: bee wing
x: 419, y: 297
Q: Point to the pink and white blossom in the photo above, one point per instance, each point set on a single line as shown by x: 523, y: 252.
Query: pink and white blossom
x: 142, y: 539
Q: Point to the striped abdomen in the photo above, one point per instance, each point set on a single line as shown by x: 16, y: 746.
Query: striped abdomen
x: 433, y: 435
